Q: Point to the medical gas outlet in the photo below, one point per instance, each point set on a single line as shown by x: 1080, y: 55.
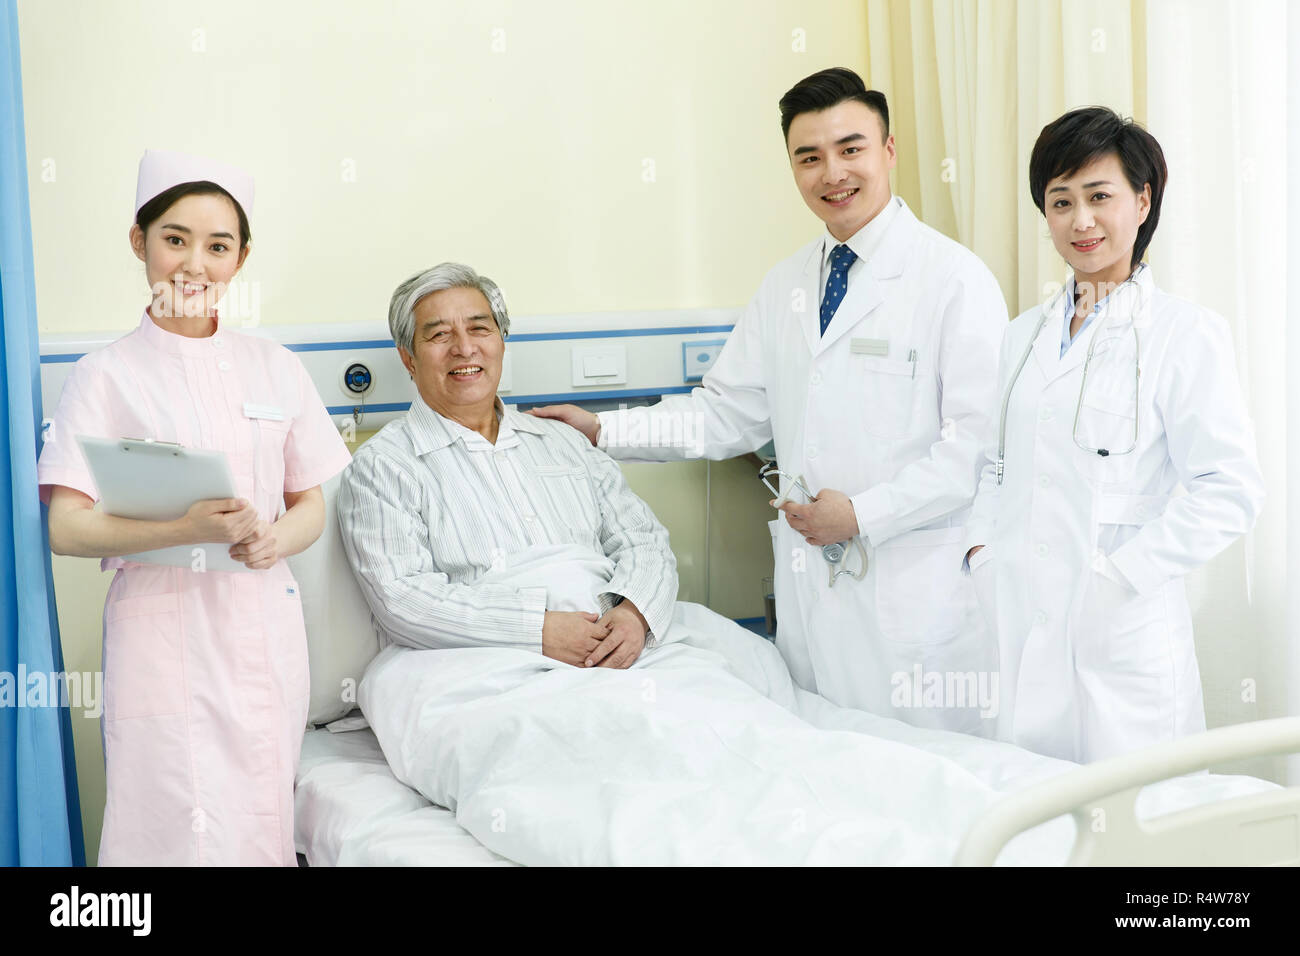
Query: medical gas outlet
x: 357, y: 379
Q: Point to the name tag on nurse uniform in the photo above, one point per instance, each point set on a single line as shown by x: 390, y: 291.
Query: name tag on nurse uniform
x: 869, y: 347
x: 267, y: 412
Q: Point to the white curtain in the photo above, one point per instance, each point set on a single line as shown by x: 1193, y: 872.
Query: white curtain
x: 1292, y: 353
x: 970, y: 84
x: 1216, y: 94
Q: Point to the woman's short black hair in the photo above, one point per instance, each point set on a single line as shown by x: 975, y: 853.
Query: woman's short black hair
x: 152, y: 211
x: 1074, y: 140
x: 830, y: 88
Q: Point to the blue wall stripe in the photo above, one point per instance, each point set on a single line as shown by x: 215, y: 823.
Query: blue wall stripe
x: 382, y: 407
x: 617, y: 333
x: 518, y: 337
x: 339, y: 346
x: 595, y: 396
x: 528, y: 399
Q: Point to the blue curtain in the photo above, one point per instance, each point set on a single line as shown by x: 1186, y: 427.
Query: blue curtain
x: 40, y: 818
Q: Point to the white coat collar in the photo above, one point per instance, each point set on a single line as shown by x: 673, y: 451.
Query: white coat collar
x: 867, y: 291
x: 1132, y: 299
x: 866, y: 241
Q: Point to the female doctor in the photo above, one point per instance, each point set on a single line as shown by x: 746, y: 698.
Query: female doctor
x: 1114, y: 395
x: 205, y: 671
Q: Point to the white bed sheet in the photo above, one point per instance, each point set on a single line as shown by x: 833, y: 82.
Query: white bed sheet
x: 738, y: 766
x: 349, y: 810
x: 352, y: 811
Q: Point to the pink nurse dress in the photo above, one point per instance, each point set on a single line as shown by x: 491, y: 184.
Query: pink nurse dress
x: 205, y: 672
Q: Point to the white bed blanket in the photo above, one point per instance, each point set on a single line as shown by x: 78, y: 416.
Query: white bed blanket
x: 702, y: 753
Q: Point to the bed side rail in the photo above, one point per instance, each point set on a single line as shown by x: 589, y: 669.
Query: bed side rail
x: 1259, y: 829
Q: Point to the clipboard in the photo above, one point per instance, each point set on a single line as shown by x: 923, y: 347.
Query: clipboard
x: 159, y: 481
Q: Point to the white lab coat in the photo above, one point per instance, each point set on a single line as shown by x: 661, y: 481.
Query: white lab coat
x: 903, y: 439
x: 1084, y: 674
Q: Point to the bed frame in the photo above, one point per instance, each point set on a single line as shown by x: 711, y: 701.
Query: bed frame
x: 1262, y: 829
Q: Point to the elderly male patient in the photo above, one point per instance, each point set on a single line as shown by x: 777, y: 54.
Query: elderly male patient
x: 470, y: 524
x: 490, y: 536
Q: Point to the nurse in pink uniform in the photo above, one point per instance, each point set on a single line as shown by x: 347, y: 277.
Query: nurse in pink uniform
x: 205, y: 671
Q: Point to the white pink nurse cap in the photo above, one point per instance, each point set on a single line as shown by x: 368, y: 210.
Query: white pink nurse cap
x: 162, y: 169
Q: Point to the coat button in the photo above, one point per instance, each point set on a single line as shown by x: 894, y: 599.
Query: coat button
x: 1040, y: 618
x: 1044, y: 481
x: 1041, y: 550
x: 812, y: 451
x: 1044, y: 414
x: 816, y: 378
x: 224, y: 366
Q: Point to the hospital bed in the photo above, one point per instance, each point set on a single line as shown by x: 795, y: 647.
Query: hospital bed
x: 351, y: 809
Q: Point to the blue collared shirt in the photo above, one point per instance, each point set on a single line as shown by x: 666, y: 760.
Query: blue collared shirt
x: 1066, y: 338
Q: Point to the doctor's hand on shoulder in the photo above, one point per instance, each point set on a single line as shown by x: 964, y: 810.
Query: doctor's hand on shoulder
x: 1104, y: 595
x: 827, y: 519
x: 573, y: 416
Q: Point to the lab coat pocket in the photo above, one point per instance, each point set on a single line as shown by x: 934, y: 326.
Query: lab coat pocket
x: 1120, y: 632
x: 1108, y: 419
x: 144, y: 673
x: 271, y: 432
x: 884, y: 391
x: 1126, y: 671
x: 269, y: 444
x: 983, y: 580
x: 922, y: 596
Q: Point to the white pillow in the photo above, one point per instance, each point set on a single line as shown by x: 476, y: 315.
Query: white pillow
x: 341, y: 637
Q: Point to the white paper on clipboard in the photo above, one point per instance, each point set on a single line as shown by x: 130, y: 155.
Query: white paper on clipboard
x: 159, y: 481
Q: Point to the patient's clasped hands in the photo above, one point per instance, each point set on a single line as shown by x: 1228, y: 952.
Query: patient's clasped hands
x: 585, y: 640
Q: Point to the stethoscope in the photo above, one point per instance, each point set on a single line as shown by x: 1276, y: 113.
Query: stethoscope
x: 1103, y: 321
x: 834, y: 554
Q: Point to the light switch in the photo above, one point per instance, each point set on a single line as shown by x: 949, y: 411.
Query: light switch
x: 599, y: 365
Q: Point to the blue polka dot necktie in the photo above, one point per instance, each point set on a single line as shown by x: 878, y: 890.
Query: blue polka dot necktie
x: 836, y: 282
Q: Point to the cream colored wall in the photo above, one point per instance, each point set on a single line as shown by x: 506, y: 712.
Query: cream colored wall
x: 382, y: 143
x: 587, y: 155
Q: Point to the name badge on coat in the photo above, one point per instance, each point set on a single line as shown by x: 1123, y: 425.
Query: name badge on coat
x: 267, y: 412
x: 869, y: 347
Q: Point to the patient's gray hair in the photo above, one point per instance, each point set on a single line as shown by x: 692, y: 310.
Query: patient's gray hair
x: 445, y: 275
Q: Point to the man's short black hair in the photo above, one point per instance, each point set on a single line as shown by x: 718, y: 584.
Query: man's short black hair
x: 1081, y: 136
x: 830, y: 88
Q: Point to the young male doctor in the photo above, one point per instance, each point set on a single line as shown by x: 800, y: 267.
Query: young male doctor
x: 869, y: 357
